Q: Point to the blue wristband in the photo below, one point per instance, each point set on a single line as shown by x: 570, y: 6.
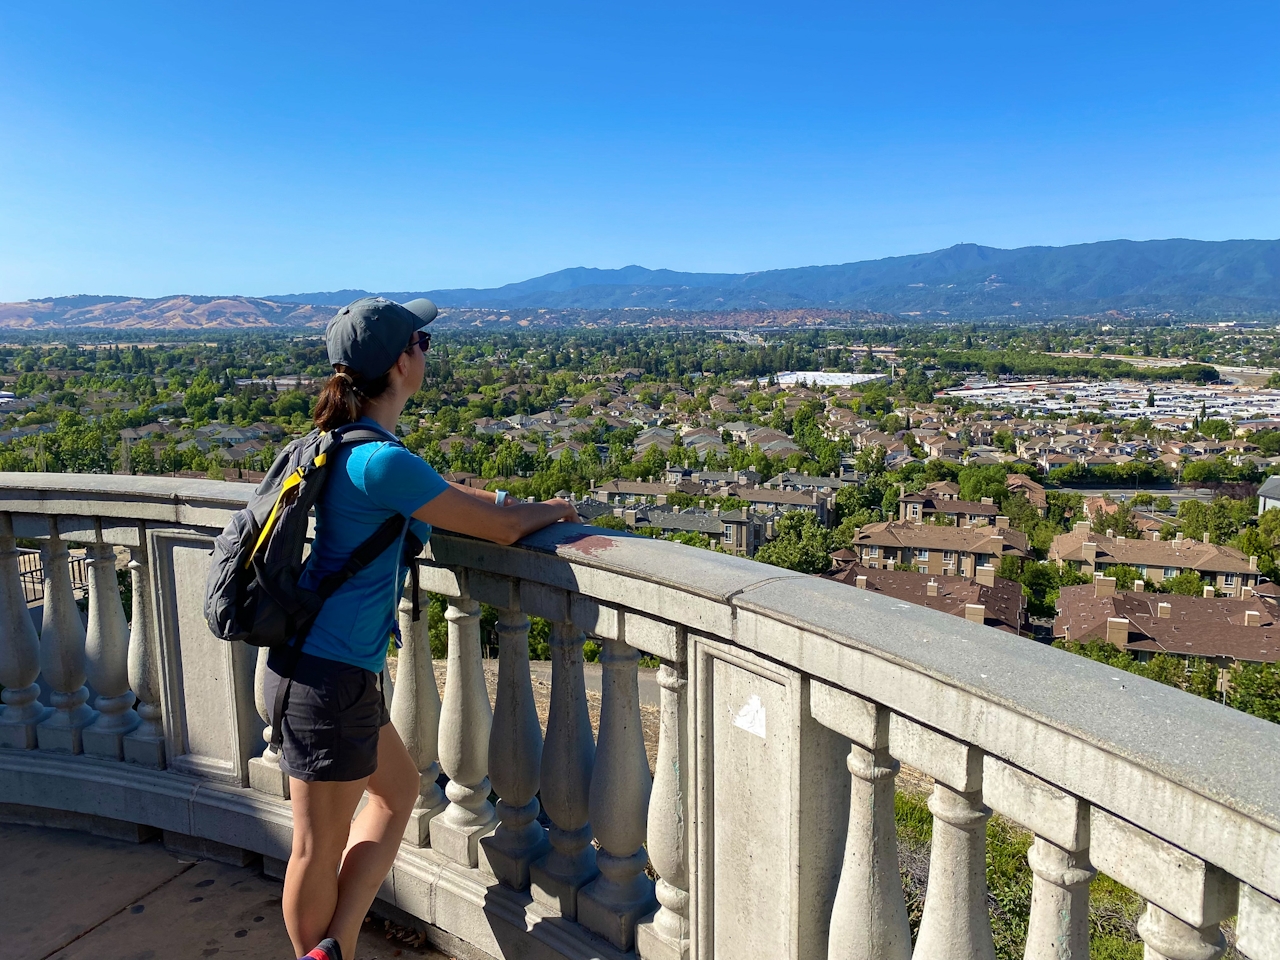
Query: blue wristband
x: 500, y: 498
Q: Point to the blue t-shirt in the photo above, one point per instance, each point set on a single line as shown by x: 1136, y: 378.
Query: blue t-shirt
x: 367, y: 483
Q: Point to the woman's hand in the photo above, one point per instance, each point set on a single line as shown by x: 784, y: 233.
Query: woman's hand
x: 570, y: 512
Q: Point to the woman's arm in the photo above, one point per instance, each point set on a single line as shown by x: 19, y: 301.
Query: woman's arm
x: 477, y: 517
x: 486, y: 495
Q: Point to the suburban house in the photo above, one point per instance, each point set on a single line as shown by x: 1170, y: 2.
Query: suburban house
x: 781, y: 501
x: 937, y: 501
x: 1034, y: 492
x: 985, y: 599
x: 1222, y: 629
x: 1269, y: 494
x: 1226, y: 568
x: 938, y: 550
x: 736, y: 531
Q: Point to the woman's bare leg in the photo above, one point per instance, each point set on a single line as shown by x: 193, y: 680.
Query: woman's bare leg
x: 321, y: 824
x: 374, y: 839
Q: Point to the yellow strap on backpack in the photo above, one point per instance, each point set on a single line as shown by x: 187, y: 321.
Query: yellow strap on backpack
x: 286, y: 488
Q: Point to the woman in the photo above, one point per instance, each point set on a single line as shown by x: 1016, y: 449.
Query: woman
x: 338, y: 740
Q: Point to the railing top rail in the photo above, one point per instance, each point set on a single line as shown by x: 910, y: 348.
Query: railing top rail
x: 1021, y: 700
x: 155, y: 499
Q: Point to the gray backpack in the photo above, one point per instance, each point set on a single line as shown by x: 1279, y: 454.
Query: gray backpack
x: 252, y: 592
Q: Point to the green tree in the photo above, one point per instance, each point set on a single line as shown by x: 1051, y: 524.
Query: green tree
x: 1188, y: 584
x: 801, y: 543
x: 1255, y: 689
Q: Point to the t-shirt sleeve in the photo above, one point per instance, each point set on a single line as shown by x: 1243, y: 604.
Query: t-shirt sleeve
x: 396, y: 479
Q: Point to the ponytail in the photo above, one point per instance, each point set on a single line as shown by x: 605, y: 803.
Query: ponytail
x: 343, y: 398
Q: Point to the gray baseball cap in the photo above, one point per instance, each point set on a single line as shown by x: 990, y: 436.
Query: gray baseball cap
x: 368, y: 335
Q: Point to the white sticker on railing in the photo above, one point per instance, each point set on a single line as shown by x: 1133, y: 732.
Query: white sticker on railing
x: 750, y: 716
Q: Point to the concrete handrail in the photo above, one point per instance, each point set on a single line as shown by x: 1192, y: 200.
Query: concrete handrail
x: 1173, y: 795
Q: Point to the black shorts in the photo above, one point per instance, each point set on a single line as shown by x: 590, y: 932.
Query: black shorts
x: 331, y: 719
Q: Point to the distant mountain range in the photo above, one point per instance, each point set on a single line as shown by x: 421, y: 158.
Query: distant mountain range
x: 967, y: 281
x: 1180, y: 276
x: 165, y: 313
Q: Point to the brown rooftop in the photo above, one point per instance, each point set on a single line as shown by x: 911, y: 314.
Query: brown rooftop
x: 1003, y: 541
x: 1191, y: 626
x: 1003, y: 603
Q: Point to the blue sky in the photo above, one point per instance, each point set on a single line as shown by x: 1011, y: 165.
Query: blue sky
x: 256, y: 148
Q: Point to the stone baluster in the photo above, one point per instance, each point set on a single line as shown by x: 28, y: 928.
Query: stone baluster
x: 1058, y: 926
x: 869, y: 912
x: 415, y: 711
x: 265, y: 774
x: 1165, y: 937
x: 515, y: 758
x: 107, y: 656
x: 19, y: 652
x: 619, y: 805
x: 1186, y: 898
x: 145, y: 745
x: 465, y: 721
x: 1059, y: 921
x: 665, y: 936
x: 62, y: 660
x: 955, y: 921
x: 567, y: 761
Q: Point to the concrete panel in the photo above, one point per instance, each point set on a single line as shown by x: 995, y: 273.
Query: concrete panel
x: 538, y: 600
x: 501, y: 592
x: 753, y: 746
x: 441, y: 580
x: 212, y: 726
x: 771, y: 793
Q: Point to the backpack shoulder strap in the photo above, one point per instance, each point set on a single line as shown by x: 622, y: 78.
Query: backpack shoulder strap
x: 363, y: 555
x: 356, y: 433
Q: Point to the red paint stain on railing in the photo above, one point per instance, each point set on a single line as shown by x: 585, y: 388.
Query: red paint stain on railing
x: 589, y: 544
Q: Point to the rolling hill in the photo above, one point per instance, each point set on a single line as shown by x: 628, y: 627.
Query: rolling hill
x: 1239, y: 278
x: 1236, y: 277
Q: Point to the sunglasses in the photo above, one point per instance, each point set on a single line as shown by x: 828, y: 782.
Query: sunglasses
x: 422, y: 341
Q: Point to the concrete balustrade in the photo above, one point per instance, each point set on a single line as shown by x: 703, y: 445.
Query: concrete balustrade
x: 465, y: 720
x: 265, y: 774
x: 869, y: 915
x: 62, y: 652
x: 107, y: 656
x: 515, y: 756
x: 415, y: 712
x: 787, y: 705
x: 619, y: 806
x: 665, y: 935
x: 145, y: 743
x: 19, y: 652
x: 567, y: 761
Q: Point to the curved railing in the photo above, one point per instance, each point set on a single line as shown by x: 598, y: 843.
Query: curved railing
x: 787, y: 703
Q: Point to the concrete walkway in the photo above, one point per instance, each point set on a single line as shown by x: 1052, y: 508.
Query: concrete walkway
x: 650, y: 692
x: 71, y: 896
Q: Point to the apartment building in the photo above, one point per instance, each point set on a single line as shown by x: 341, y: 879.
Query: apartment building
x: 1226, y: 568
x: 942, y: 501
x: 937, y: 550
